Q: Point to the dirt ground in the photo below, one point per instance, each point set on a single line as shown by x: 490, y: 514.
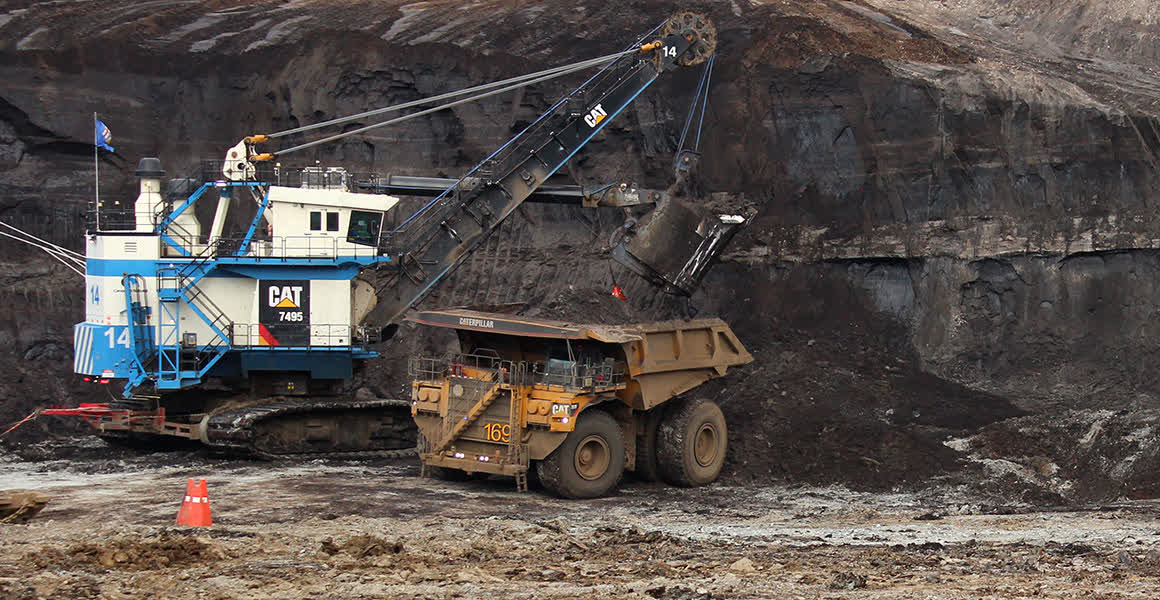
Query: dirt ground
x: 377, y: 530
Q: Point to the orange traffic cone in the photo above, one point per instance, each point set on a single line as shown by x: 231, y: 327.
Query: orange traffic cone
x: 194, y: 511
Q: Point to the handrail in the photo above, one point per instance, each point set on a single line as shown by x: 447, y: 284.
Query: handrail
x: 314, y: 335
x: 568, y: 375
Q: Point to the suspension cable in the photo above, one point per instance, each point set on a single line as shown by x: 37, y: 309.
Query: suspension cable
x: 54, y: 252
x: 45, y: 242
x: 63, y: 255
x: 520, y: 82
x: 637, y: 46
x: 47, y: 250
x: 527, y: 79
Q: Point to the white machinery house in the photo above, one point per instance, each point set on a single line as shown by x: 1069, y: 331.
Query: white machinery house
x: 149, y: 313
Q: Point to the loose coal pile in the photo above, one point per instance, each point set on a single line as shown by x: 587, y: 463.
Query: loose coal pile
x: 1081, y: 455
x: 836, y: 393
x: 584, y: 305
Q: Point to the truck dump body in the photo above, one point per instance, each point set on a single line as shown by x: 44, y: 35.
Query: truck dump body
x: 662, y: 358
x: 516, y: 389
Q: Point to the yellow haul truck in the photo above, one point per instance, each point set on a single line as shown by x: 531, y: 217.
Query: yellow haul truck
x: 578, y: 404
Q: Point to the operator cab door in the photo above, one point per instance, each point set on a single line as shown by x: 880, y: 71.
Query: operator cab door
x: 322, y: 230
x: 324, y: 222
x: 363, y: 227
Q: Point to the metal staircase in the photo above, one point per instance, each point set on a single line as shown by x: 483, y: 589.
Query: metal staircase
x: 183, y: 360
x: 140, y: 333
x: 489, y: 396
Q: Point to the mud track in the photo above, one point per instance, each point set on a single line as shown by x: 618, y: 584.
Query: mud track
x: 376, y: 530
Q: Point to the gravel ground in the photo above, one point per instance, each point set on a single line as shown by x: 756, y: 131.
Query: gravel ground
x: 377, y: 530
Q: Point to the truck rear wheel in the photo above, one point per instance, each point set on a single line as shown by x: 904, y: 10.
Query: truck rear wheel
x: 691, y: 443
x: 590, y: 462
x: 646, y: 446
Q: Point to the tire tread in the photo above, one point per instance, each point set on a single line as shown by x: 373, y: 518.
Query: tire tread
x: 673, y: 462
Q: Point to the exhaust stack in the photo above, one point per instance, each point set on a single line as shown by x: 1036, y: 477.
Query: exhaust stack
x: 149, y: 199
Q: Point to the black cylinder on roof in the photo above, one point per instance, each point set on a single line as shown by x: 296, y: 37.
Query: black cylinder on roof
x: 150, y: 167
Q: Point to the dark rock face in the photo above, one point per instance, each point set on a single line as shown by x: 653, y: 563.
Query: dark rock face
x: 1074, y: 330
x: 953, y: 230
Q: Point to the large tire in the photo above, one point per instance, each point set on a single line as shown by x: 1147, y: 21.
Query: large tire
x: 590, y: 462
x: 533, y: 475
x: 646, y: 446
x: 691, y: 443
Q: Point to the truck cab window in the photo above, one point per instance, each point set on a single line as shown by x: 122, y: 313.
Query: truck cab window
x: 364, y: 227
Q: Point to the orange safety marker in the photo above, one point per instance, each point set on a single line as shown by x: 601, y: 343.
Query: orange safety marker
x: 618, y: 293
x: 194, y: 511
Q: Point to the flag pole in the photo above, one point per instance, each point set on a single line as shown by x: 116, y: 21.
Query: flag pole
x: 96, y: 175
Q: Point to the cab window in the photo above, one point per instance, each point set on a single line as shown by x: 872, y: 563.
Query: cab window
x: 364, y: 227
x: 316, y: 220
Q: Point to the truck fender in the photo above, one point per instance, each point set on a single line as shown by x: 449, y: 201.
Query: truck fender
x: 542, y: 443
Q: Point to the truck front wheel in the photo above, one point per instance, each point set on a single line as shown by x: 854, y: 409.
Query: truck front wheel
x: 691, y: 443
x: 590, y: 462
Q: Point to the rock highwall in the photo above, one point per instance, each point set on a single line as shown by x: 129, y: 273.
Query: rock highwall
x: 986, y: 220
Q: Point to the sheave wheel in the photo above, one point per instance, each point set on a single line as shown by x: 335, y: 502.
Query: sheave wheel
x: 646, y: 446
x: 590, y: 461
x: 691, y: 443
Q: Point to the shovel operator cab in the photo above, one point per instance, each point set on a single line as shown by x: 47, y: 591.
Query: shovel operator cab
x: 578, y: 403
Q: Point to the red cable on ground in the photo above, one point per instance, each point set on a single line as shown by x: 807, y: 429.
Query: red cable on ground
x: 30, y: 417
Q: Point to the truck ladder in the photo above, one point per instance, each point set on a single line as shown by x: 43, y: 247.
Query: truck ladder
x: 517, y: 449
x: 471, y: 417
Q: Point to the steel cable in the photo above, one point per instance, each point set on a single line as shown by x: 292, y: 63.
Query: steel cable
x: 700, y: 97
x: 504, y: 86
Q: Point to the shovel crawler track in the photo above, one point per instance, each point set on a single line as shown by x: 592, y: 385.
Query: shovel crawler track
x: 314, y: 428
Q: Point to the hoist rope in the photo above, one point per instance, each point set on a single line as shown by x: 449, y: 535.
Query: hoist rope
x: 701, y: 98
x: 705, y: 102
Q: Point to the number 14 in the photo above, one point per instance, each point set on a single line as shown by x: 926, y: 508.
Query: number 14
x: 122, y: 339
